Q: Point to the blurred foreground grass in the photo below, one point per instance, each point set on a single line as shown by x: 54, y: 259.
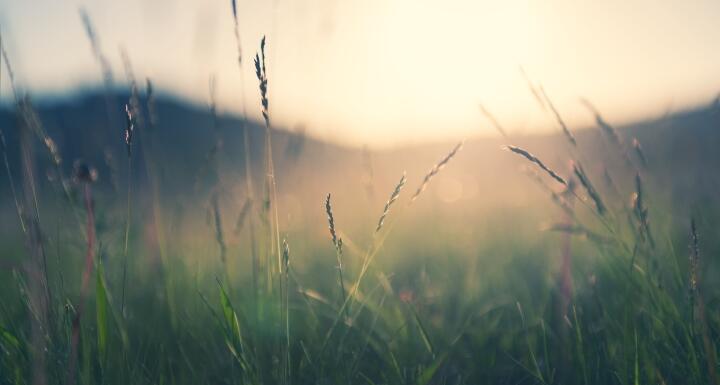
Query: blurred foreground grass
x: 597, y: 299
x: 153, y: 287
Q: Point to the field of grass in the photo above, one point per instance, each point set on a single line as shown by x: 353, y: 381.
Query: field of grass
x: 109, y: 275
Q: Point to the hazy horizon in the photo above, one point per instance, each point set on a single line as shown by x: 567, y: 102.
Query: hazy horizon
x: 385, y: 73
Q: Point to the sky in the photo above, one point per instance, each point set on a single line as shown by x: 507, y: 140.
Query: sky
x: 385, y: 72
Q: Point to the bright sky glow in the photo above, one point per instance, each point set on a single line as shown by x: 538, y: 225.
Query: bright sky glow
x: 384, y: 72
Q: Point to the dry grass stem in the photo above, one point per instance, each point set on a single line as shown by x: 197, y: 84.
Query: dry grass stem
x: 236, y: 30
x: 559, y: 118
x: 533, y: 89
x: 491, y: 118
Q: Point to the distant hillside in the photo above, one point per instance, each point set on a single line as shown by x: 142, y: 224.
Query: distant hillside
x: 681, y: 151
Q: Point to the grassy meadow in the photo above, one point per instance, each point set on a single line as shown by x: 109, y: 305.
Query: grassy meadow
x: 146, y: 241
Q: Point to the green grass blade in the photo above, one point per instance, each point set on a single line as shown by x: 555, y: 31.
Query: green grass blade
x: 101, y: 310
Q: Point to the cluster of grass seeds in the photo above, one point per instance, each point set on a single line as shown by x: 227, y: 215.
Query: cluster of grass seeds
x: 646, y: 281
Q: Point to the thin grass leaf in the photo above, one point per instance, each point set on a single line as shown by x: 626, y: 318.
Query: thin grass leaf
x: 423, y: 331
x: 570, y: 137
x: 101, y: 312
x: 429, y: 372
x: 232, y: 323
x: 491, y: 118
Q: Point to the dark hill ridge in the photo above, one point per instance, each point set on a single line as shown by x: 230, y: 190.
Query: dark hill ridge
x: 681, y: 150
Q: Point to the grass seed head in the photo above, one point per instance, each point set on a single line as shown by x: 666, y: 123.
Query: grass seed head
x: 393, y: 197
x: 435, y: 169
x: 261, y: 73
x: 331, y: 221
x: 532, y: 158
x: 129, y: 128
x: 589, y: 188
x: 286, y: 256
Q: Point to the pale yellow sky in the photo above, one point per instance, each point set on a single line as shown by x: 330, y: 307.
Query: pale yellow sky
x: 387, y: 72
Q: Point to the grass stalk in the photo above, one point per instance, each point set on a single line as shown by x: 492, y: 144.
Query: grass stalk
x: 273, y: 219
x: 85, y: 176
x: 247, y: 156
x: 337, y: 243
x: 129, y: 130
x: 3, y: 147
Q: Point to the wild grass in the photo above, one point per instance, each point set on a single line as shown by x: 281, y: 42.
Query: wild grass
x: 516, y: 307
x: 532, y: 158
x: 393, y: 197
x: 338, y: 244
x: 434, y: 170
x: 3, y: 144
